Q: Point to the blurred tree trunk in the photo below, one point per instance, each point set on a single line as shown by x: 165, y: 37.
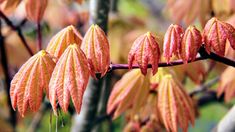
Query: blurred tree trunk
x: 99, y: 10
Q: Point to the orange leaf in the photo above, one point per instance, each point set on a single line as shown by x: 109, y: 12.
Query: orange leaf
x: 175, y: 105
x: 62, y: 40
x: 172, y: 41
x: 227, y: 84
x: 190, y: 44
x: 215, y: 35
x: 131, y: 90
x: 8, y: 6
x: 145, y: 50
x: 69, y: 79
x: 96, y: 47
x: 31, y: 80
x: 35, y: 9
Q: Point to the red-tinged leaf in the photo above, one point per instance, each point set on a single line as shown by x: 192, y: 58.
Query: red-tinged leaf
x: 172, y: 41
x: 62, y: 40
x: 130, y: 91
x: 175, y: 105
x: 215, y: 35
x: 190, y: 44
x: 35, y: 9
x: 144, y: 51
x: 31, y: 80
x: 227, y: 84
x: 69, y: 79
x: 96, y: 47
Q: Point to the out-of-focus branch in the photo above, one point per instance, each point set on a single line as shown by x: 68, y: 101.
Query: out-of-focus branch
x: 18, y: 30
x: 204, y: 87
x: 12, y: 116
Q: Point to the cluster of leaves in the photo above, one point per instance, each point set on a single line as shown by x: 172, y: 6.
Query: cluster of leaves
x: 175, y: 107
x: 61, y: 70
x: 160, y: 96
x: 64, y: 65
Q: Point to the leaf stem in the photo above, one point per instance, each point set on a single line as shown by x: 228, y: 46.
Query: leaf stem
x: 203, y: 53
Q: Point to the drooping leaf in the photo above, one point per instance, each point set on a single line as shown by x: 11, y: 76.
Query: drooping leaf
x: 191, y: 42
x: 215, y: 35
x: 96, y: 47
x: 31, y: 80
x: 69, y: 79
x: 35, y: 9
x: 175, y: 105
x: 144, y: 51
x: 172, y: 41
x: 129, y: 92
x: 62, y: 40
x: 227, y: 84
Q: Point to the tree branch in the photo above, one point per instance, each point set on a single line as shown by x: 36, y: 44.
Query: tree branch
x: 18, y: 30
x: 204, y: 87
x: 12, y: 116
x: 203, y: 53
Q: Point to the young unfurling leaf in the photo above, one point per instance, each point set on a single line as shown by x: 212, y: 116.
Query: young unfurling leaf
x: 172, y: 41
x: 35, y: 9
x: 190, y: 44
x: 175, y: 105
x: 130, y: 91
x: 96, y: 47
x: 215, y: 35
x: 61, y: 40
x: 69, y: 79
x: 31, y: 80
x: 145, y: 50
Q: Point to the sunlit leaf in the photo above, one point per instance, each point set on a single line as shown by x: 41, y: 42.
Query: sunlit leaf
x: 129, y: 92
x: 96, y: 47
x: 172, y: 41
x: 31, y: 80
x: 191, y: 42
x: 175, y: 105
x: 62, y: 40
x: 144, y: 51
x: 215, y: 35
x: 69, y: 79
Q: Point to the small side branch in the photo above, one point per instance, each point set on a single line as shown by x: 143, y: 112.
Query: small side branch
x: 18, y: 30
